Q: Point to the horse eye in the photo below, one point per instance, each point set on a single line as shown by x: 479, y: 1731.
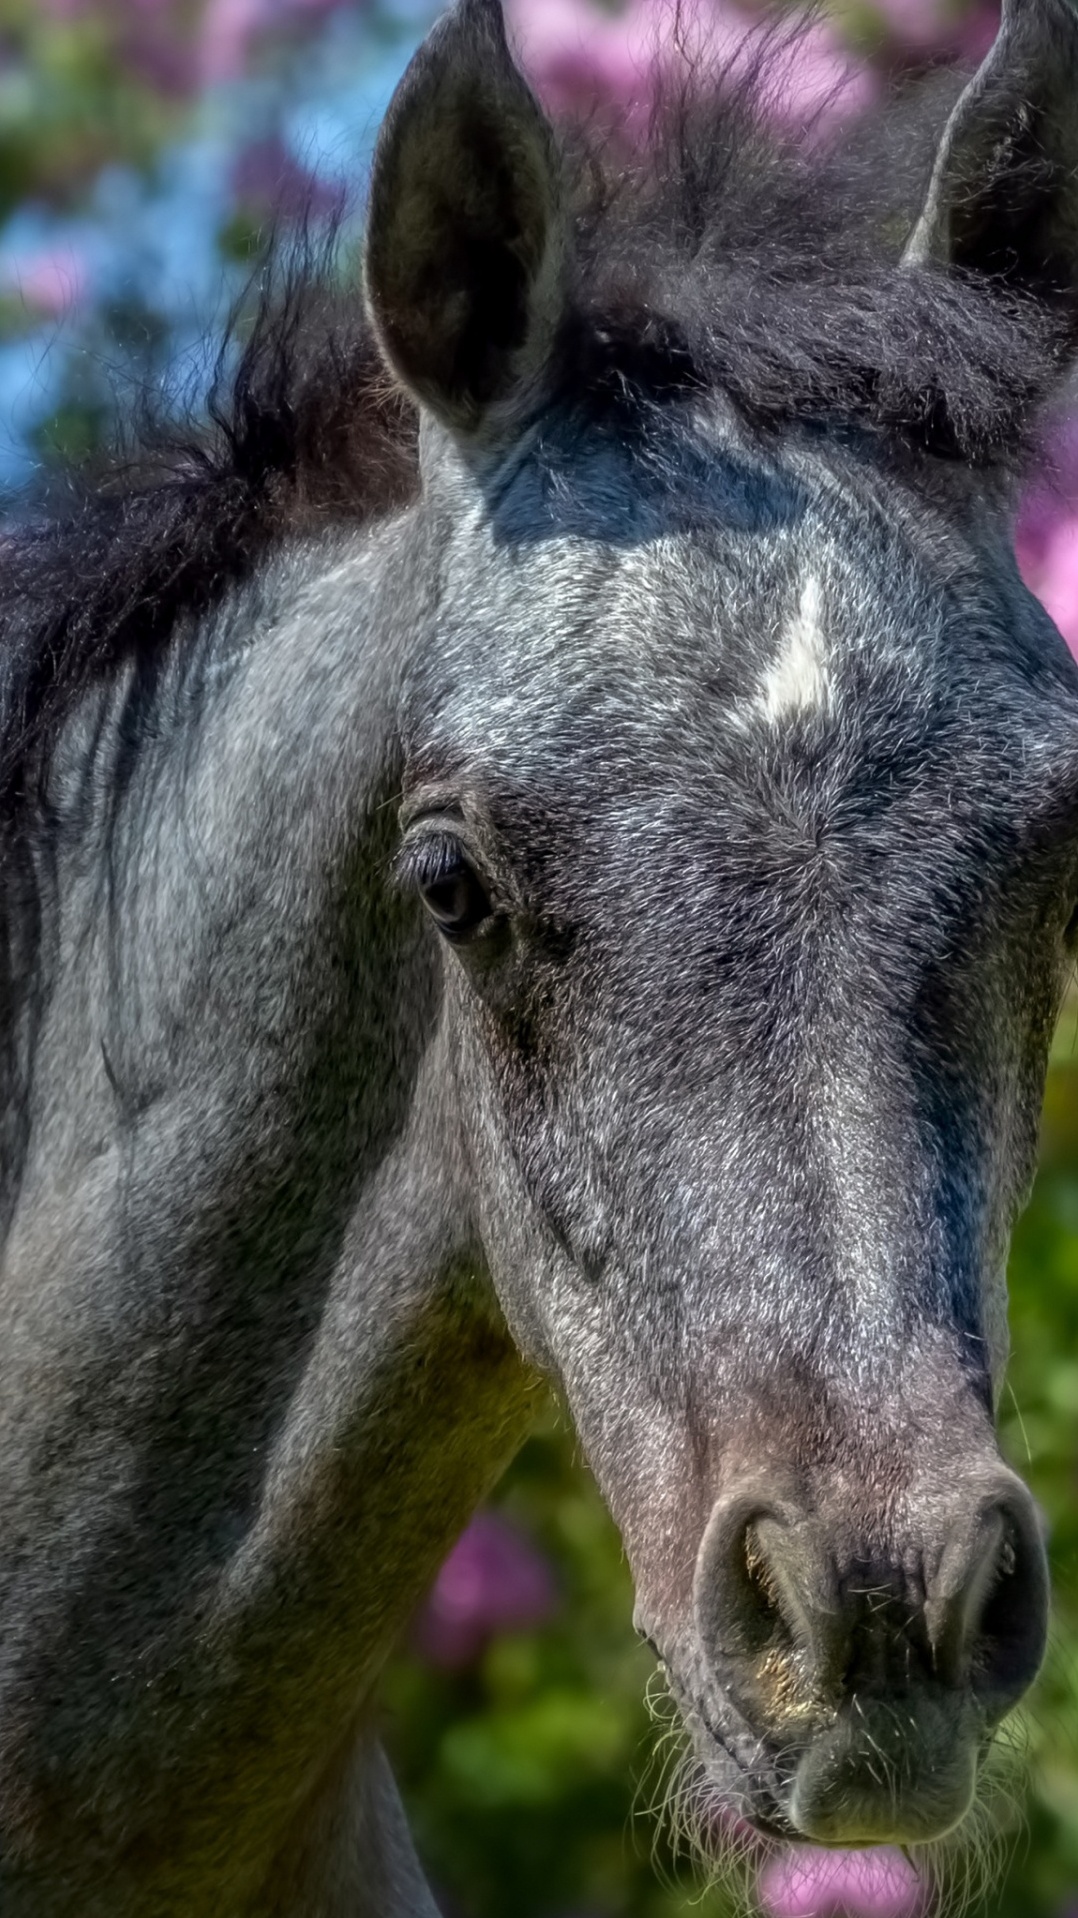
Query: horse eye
x: 452, y: 890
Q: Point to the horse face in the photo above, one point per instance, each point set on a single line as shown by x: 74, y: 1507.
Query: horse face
x: 752, y: 861
x: 741, y: 797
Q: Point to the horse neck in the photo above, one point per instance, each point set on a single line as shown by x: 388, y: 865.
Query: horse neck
x: 240, y: 1251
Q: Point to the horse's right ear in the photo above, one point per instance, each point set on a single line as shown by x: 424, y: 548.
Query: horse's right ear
x: 1003, y: 199
x: 466, y: 240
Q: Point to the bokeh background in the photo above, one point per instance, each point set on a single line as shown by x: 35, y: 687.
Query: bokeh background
x: 146, y: 149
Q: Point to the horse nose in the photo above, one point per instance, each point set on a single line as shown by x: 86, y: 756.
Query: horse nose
x: 818, y: 1635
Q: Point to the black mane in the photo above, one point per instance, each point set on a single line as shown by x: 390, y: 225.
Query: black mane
x: 305, y: 430
x: 710, y: 255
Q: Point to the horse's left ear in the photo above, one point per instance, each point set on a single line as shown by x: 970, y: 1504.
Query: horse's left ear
x: 1003, y: 199
x: 466, y: 240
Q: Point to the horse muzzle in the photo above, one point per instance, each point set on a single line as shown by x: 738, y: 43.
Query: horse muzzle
x: 871, y: 1659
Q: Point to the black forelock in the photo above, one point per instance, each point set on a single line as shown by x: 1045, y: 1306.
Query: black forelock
x: 710, y: 253
x: 725, y: 252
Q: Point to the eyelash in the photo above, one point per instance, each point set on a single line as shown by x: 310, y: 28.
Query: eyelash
x: 426, y: 860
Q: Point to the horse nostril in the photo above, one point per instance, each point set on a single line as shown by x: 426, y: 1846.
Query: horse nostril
x: 757, y: 1606
x: 987, y: 1606
x: 1007, y: 1619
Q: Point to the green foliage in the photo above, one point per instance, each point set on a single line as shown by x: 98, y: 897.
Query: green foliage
x: 72, y: 101
x: 1040, y: 1436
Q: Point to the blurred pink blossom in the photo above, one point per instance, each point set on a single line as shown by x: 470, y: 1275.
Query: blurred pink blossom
x: 1046, y: 536
x: 226, y: 33
x: 841, y: 1884
x: 159, y: 51
x: 918, y: 22
x: 1048, y: 557
x: 939, y: 27
x: 494, y: 1580
x: 580, y: 57
x: 269, y: 178
x: 820, y: 81
x: 50, y: 283
x: 230, y: 29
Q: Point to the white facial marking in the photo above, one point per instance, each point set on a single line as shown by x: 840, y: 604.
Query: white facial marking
x: 799, y: 680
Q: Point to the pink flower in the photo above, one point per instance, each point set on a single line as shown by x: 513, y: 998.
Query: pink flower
x: 1048, y: 557
x: 1046, y: 536
x: 49, y: 283
x: 230, y: 30
x: 269, y: 178
x: 918, y: 22
x: 160, y: 53
x: 226, y: 34
x: 579, y: 58
x: 819, y: 82
x: 841, y: 1884
x: 938, y: 27
x: 494, y: 1580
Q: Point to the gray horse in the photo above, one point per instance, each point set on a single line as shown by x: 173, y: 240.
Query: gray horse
x: 546, y: 847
